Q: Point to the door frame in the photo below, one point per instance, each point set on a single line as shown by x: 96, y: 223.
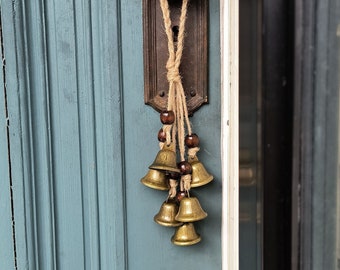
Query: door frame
x: 229, y: 34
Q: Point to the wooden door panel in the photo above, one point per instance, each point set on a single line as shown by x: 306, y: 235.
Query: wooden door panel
x: 63, y: 87
x: 81, y: 139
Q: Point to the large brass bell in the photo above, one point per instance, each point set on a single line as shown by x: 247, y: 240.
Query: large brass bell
x: 166, y: 215
x: 156, y: 179
x: 190, y: 210
x: 186, y: 235
x: 165, y: 160
x: 199, y: 176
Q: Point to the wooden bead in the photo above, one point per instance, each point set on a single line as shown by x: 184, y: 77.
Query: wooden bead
x: 161, y: 135
x: 192, y: 140
x: 180, y: 195
x: 184, y: 167
x: 167, y: 117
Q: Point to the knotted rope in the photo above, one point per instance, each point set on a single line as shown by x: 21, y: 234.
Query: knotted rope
x: 192, y: 152
x: 173, y: 188
x: 176, y: 95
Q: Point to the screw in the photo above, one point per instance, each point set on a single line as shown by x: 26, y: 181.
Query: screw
x: 192, y: 93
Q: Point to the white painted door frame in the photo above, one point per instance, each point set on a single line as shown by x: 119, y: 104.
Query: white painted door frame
x: 229, y: 133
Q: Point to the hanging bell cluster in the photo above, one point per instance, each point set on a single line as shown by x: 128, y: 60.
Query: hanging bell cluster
x: 179, y: 210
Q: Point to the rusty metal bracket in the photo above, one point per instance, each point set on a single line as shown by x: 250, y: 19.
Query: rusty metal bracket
x: 194, y: 66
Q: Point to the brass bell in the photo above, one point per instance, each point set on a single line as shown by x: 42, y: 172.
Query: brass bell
x: 190, y: 210
x: 185, y: 235
x: 165, y: 160
x: 200, y: 176
x: 166, y: 215
x: 156, y: 179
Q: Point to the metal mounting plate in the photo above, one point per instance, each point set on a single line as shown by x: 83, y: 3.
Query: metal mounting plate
x: 194, y: 64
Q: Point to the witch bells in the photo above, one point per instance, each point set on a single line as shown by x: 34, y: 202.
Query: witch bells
x: 179, y: 210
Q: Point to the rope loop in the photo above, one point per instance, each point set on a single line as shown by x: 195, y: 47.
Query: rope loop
x: 176, y: 96
x: 173, y: 188
x: 186, y: 182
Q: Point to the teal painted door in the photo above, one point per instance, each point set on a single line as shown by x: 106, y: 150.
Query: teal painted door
x: 76, y: 138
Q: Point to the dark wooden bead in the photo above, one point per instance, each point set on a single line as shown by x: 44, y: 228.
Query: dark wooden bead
x: 167, y: 117
x: 180, y: 195
x: 192, y: 140
x: 161, y: 135
x: 184, y: 167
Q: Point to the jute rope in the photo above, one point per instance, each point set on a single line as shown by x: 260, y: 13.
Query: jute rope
x: 192, y: 152
x: 186, y: 182
x: 176, y: 95
x: 173, y: 188
x: 167, y: 130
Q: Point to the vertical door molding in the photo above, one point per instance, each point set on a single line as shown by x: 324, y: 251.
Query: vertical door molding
x: 7, y: 255
x: 63, y: 74
x: 13, y: 38
x: 229, y: 122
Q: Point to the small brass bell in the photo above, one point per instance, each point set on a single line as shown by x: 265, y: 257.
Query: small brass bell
x: 165, y: 160
x: 200, y: 176
x: 166, y: 215
x: 185, y: 235
x: 190, y: 210
x: 156, y: 179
